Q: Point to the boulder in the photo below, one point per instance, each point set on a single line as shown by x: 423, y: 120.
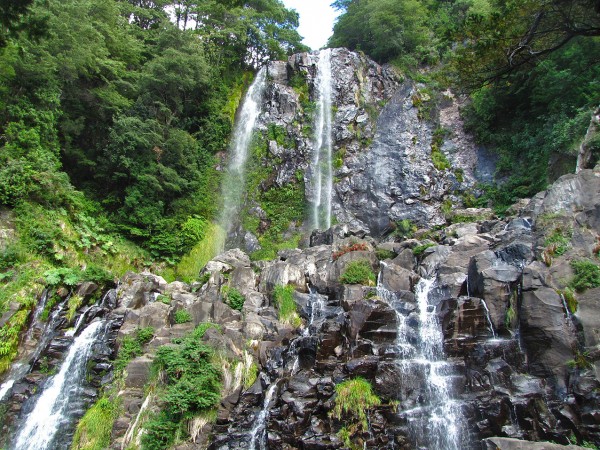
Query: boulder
x: 503, y: 443
x: 547, y: 337
x: 282, y: 274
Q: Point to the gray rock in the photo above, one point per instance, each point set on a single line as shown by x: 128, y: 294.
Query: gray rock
x: 503, y: 443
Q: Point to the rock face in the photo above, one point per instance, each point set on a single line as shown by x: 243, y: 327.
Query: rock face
x: 382, y: 146
x: 507, y: 337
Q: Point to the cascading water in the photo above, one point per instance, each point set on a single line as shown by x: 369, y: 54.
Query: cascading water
x: 258, y: 433
x: 52, y: 410
x: 232, y: 188
x: 322, y: 169
x: 441, y: 429
x: 434, y: 422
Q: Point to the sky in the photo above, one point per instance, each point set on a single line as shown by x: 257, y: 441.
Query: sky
x: 316, y: 20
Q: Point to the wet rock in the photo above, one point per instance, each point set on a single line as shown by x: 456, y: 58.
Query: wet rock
x: 502, y: 443
x: 547, y: 337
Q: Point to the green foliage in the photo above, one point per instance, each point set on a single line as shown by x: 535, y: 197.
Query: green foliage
x: 384, y: 29
x: 438, y: 158
x: 75, y: 301
x: 9, y: 338
x: 182, y: 316
x: 62, y: 276
x: 203, y: 327
x: 384, y: 254
x: 420, y: 249
x: 95, y: 427
x: 250, y: 376
x: 233, y: 297
x: 580, y: 361
x: 131, y: 347
x: 569, y: 296
x: 354, y: 398
x: 587, y: 275
x: 358, y: 272
x: 283, y: 298
x: 405, y: 229
x: 191, y: 386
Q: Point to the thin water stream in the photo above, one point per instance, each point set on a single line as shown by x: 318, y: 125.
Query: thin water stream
x: 322, y: 169
x: 232, y: 188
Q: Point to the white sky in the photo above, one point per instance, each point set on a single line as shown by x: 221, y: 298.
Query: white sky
x: 316, y: 20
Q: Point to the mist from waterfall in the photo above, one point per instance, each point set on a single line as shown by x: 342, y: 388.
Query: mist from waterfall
x: 233, y: 184
x: 322, y: 169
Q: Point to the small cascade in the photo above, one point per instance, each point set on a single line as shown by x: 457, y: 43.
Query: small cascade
x: 316, y: 310
x: 73, y: 331
x: 489, y: 318
x: 289, y: 364
x: 322, y: 169
x: 53, y: 408
x: 441, y: 428
x: 565, y: 306
x: 433, y: 418
x: 232, y: 188
x: 259, y: 432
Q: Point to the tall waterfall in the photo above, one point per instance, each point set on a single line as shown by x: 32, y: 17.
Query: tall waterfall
x: 322, y: 170
x: 52, y: 409
x: 232, y: 188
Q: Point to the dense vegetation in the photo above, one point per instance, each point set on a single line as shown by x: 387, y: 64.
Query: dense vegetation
x: 531, y: 68
x: 114, y: 115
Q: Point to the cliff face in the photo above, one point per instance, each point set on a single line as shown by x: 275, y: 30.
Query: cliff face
x: 382, y: 142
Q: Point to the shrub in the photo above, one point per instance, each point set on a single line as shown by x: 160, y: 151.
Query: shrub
x: 358, y: 272
x: 420, y: 249
x: 354, y: 398
x: 234, y: 298
x: 132, y: 347
x: 587, y: 275
x: 283, y: 297
x: 384, y: 254
x: 404, y: 228
x: 182, y: 316
x: 203, y: 327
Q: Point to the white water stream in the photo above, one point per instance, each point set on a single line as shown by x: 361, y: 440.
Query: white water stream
x: 434, y: 422
x: 322, y: 169
x: 258, y: 433
x: 232, y: 189
x: 51, y: 410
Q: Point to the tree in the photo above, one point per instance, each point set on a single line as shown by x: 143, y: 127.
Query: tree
x: 518, y: 34
x: 14, y: 18
x: 384, y: 29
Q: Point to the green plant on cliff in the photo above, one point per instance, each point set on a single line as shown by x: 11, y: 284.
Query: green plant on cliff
x: 233, y: 297
x: 283, y: 297
x: 359, y: 272
x: 191, y: 386
x: 587, y: 275
x: 354, y: 398
x: 95, y: 427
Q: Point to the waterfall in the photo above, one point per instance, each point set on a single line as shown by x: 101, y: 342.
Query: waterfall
x: 232, y: 189
x: 489, y: 318
x: 322, y: 170
x: 441, y: 429
x: 51, y: 412
x: 434, y: 417
x: 260, y: 427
